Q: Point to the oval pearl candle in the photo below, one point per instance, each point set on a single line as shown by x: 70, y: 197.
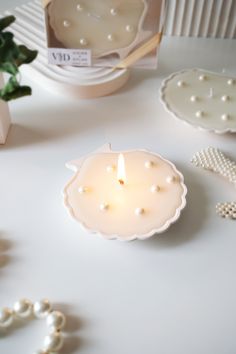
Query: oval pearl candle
x: 206, y: 100
x: 131, y: 201
x: 108, y: 26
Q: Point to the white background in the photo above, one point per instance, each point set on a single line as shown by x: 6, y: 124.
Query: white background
x: 172, y: 294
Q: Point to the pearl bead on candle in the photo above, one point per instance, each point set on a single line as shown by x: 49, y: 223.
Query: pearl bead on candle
x: 129, y: 28
x: 110, y: 37
x: 149, y: 164
x: 113, y: 12
x: 202, y: 77
x: 104, y: 206
x: 79, y: 7
x: 225, y: 98
x: 82, y: 189
x: 225, y: 117
x: 193, y: 98
x: 155, y: 188
x: 230, y: 82
x: 139, y: 211
x: 83, y: 41
x: 170, y: 179
x: 111, y: 168
x: 199, y: 114
x: 66, y: 23
x: 180, y: 83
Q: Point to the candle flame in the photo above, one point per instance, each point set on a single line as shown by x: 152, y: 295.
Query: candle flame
x: 121, y: 174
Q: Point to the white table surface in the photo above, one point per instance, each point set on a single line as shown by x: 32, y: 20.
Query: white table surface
x: 172, y: 294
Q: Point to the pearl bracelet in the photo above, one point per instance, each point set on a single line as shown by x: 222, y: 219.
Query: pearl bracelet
x: 55, y: 320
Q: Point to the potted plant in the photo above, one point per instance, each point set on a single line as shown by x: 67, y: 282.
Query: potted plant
x: 12, y: 56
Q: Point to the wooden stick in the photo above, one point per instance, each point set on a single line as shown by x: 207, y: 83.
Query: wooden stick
x: 140, y: 52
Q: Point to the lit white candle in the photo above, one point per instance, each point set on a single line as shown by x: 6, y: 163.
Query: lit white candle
x: 206, y: 100
x: 129, y: 201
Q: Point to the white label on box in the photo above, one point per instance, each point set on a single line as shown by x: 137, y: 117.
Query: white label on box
x: 78, y: 57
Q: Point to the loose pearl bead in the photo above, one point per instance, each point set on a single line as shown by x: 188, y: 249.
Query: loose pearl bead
x: 129, y: 28
x: 6, y: 317
x: 56, y: 320
x: 170, y: 179
x: 23, y: 308
x: 83, y: 41
x: 139, y: 211
x: 149, y: 164
x: 202, y: 77
x: 53, y: 342
x: 199, y: 114
x: 110, y: 37
x: 225, y: 117
x: 180, y: 83
x: 225, y: 98
x: 155, y: 188
x: 104, y: 207
x: 193, y: 98
x: 66, y: 23
x: 42, y: 308
x: 113, y: 12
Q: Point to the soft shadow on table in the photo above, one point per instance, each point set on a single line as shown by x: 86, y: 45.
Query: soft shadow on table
x: 5, y: 246
x: 73, y: 342
x: 192, y: 218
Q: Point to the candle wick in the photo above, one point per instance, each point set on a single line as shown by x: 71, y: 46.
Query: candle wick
x: 121, y: 182
x: 211, y: 92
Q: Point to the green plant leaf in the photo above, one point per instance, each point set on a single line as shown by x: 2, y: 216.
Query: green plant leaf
x: 26, y: 55
x: 9, y: 67
x: 6, y: 21
x: 18, y: 92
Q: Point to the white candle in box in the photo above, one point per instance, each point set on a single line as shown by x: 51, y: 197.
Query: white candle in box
x: 201, y: 98
x: 130, y: 195
x: 106, y: 26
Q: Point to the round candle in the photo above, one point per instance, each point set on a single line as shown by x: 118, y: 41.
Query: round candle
x: 201, y: 98
x: 104, y: 26
x: 130, y: 195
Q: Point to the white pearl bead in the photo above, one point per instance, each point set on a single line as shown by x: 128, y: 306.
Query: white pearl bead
x: 42, y: 308
x: 199, y: 114
x: 53, y: 342
x: 202, y: 77
x: 23, y: 308
x: 225, y: 117
x: 56, y: 320
x: 66, y: 23
x: 129, y: 28
x: 79, y: 7
x: 149, y: 164
x: 110, y: 37
x: 170, y: 179
x: 104, y: 207
x: 6, y: 317
x: 193, y: 98
x: 225, y: 98
x: 110, y: 168
x: 139, y: 211
x: 180, y: 83
x: 83, y: 41
x: 113, y: 12
x: 82, y: 189
x: 155, y: 188
x: 230, y: 82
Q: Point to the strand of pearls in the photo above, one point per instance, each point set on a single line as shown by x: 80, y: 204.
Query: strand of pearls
x: 42, y: 309
x: 214, y: 160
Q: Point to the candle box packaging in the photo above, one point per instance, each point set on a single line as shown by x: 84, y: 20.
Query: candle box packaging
x: 104, y: 33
